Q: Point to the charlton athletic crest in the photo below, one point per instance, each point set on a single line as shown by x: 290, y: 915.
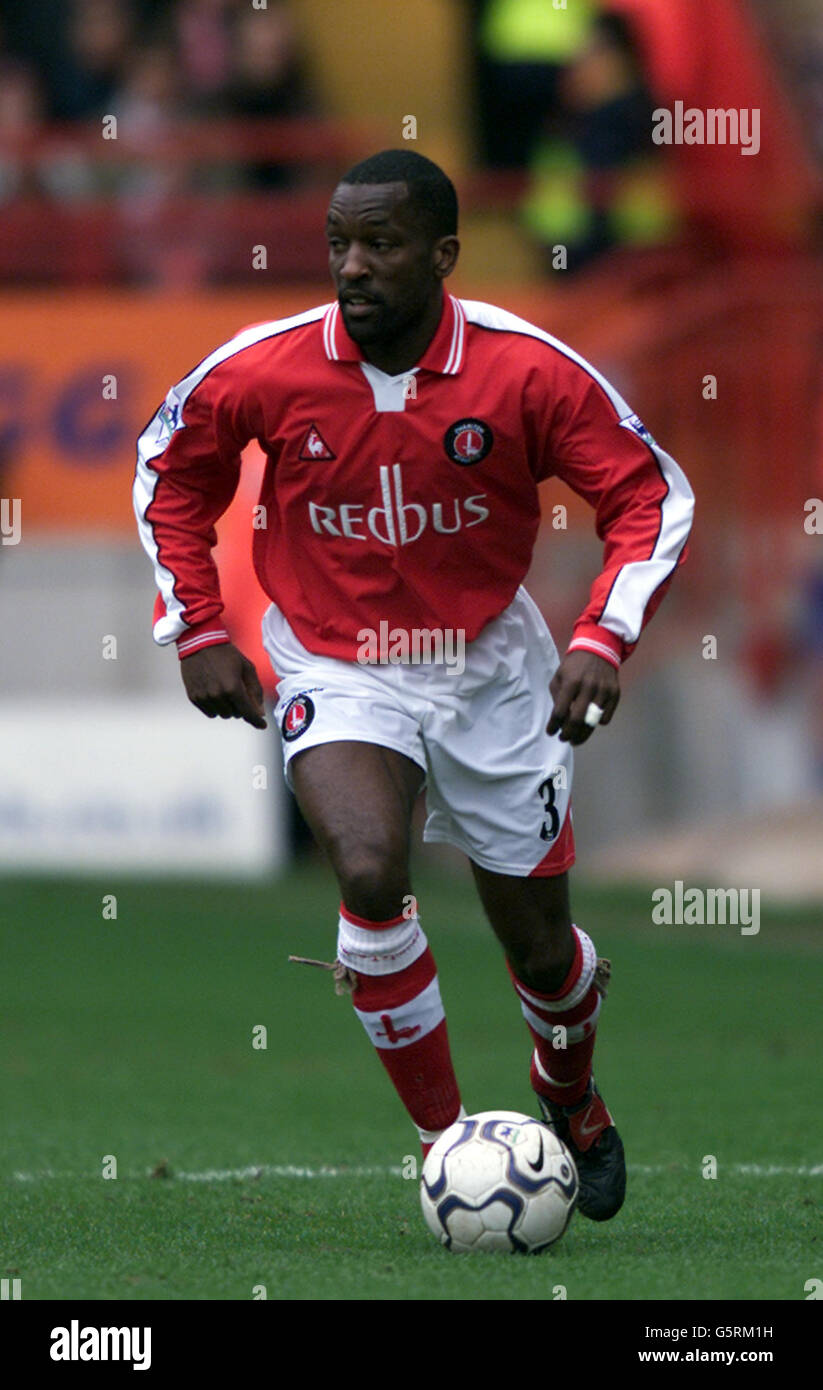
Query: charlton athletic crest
x: 468, y: 441
x: 297, y: 717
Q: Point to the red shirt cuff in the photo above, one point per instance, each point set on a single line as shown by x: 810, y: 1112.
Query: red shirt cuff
x: 208, y: 634
x: 590, y: 637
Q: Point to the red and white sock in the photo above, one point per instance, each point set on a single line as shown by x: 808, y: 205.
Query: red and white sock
x: 562, y: 1061
x: 397, y: 998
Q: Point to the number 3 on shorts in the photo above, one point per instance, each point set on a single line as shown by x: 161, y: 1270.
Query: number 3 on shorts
x: 550, y: 827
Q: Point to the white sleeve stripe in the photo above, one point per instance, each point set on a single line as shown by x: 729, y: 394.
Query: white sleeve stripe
x: 154, y: 440
x: 171, y: 625
x: 637, y: 582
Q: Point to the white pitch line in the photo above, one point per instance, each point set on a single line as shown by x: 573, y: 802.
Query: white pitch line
x: 265, y: 1170
x: 743, y: 1170
x: 257, y: 1170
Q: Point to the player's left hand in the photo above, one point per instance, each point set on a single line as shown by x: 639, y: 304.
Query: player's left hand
x: 582, y: 679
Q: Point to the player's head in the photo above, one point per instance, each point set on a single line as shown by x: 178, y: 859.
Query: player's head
x: 431, y: 195
x: 392, y: 233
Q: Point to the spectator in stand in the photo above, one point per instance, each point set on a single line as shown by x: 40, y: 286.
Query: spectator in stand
x: 522, y: 48
x: 100, y: 36
x: 61, y: 172
x: 161, y: 243
x: 268, y: 81
x: 793, y: 30
x: 148, y: 104
x: 203, y: 37
x: 35, y: 35
x: 21, y: 113
x: 596, y: 180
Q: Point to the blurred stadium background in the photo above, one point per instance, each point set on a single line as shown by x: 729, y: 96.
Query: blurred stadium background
x: 123, y: 261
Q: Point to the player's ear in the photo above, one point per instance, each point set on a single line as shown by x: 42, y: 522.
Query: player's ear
x: 446, y: 251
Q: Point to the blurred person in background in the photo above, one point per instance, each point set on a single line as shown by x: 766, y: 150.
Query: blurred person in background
x: 100, y: 36
x: 597, y: 182
x: 148, y: 103
x: 522, y: 48
x: 52, y: 171
x: 34, y: 35
x: 793, y: 30
x: 21, y: 116
x: 161, y: 241
x: 203, y: 40
x: 268, y: 81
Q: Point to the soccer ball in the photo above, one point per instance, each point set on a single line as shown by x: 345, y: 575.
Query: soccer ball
x: 498, y: 1180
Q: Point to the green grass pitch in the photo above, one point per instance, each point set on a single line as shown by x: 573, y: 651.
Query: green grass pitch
x: 132, y: 1039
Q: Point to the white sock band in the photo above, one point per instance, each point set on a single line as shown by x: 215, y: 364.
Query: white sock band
x: 407, y: 1023
x: 578, y: 991
x: 380, y: 950
x: 575, y: 1032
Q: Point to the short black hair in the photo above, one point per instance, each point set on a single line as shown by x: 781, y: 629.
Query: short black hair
x: 431, y: 192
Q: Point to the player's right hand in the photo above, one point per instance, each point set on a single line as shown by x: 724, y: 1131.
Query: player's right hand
x: 224, y: 684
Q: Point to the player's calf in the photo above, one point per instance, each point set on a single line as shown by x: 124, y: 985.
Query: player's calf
x: 563, y: 1025
x: 397, y: 998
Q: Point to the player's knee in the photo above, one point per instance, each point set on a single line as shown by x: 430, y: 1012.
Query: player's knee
x: 373, y: 882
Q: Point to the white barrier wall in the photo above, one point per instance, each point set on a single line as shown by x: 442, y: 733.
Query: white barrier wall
x: 137, y: 785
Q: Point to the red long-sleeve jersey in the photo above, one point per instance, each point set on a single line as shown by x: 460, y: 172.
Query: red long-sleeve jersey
x: 410, y: 499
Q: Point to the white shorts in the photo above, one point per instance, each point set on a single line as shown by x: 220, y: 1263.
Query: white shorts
x: 497, y: 786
